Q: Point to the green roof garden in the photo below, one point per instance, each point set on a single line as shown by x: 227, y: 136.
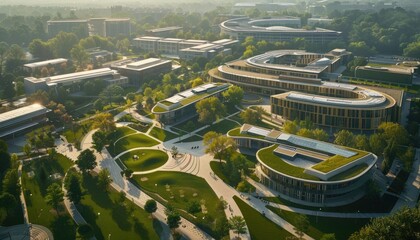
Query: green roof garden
x: 337, y: 161
x: 269, y: 158
x: 354, y: 171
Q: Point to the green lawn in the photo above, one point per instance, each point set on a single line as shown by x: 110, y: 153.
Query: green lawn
x: 267, y: 156
x: 259, y: 226
x: 341, y: 227
x: 34, y: 188
x: 75, y: 132
x: 221, y: 127
x: 184, y: 126
x: 216, y: 167
x: 170, y: 186
x: 132, y: 141
x: 147, y: 159
x: 120, y: 132
x: 162, y: 134
x: 123, y: 221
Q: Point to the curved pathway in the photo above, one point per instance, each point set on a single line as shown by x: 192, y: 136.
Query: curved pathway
x: 105, y: 160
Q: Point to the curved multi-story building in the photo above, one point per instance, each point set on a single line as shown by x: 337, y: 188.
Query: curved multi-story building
x: 307, y: 171
x: 295, y: 80
x: 275, y: 30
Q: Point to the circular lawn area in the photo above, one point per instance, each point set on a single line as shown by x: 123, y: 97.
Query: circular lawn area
x: 144, y: 159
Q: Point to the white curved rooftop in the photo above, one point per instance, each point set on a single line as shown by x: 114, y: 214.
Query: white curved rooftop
x: 373, y: 99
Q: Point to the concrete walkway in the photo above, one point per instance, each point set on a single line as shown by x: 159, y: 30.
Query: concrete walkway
x: 411, y: 190
x: 22, y: 197
x: 105, y: 160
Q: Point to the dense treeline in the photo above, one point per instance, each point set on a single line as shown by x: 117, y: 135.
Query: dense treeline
x: 390, y: 31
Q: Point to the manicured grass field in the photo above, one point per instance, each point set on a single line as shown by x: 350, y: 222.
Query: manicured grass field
x: 341, y: 227
x: 172, y: 185
x: 162, y: 134
x: 147, y: 159
x: 268, y: 157
x: 193, y: 138
x: 76, y: 132
x: 221, y: 127
x: 109, y: 218
x: 259, y: 226
x: 120, y: 132
x: 62, y: 226
x: 132, y: 141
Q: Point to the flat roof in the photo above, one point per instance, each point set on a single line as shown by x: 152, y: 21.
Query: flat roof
x: 172, y: 28
x: 74, y: 76
x: 17, y: 113
x: 68, y: 21
x: 148, y: 38
x: 144, y: 64
x: 45, y: 63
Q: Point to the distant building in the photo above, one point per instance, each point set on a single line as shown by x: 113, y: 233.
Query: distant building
x: 75, y: 26
x: 117, y: 27
x: 272, y: 30
x: 141, y: 71
x: 164, y: 32
x: 267, y: 7
x: 104, y: 27
x: 184, y: 48
x: 181, y: 106
x: 37, y: 66
x: 319, y: 21
x: 394, y: 75
x: 109, y: 76
x: 22, y: 119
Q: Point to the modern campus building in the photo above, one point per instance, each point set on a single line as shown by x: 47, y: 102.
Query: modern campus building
x: 22, y: 119
x: 319, y: 21
x: 37, y: 66
x: 109, y: 76
x: 105, y: 27
x: 272, y: 30
x: 187, y: 49
x: 79, y: 26
x: 307, y: 171
x: 300, y: 88
x: 181, y: 106
x: 117, y: 27
x: 394, y: 75
x: 141, y: 71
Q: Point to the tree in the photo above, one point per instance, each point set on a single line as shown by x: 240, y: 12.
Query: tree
x: 361, y: 142
x: 105, y: 122
x: 320, y: 134
x: 5, y: 162
x: 237, y: 224
x: 377, y: 143
x: 198, y: 81
x: 54, y: 196
x: 40, y: 49
x: 251, y: 116
x: 394, y: 132
x: 304, y: 132
x: 233, y: 95
x: 412, y: 49
x: 86, y: 160
x: 344, y: 138
x: 7, y: 201
x: 301, y: 225
x: 217, y: 144
x: 150, y: 206
x: 15, y: 58
x: 8, y: 86
x: 123, y: 45
x: 210, y: 109
x: 104, y: 179
x: 11, y: 182
x: 174, y: 151
x: 3, y: 146
x: 85, y: 231
x: 193, y: 207
x: 173, y: 220
x: 62, y: 44
x: 4, y: 50
x: 404, y: 224
x: 79, y: 56
x: 291, y: 127
x: 99, y: 140
x: 328, y: 236
x: 112, y: 93
x: 74, y: 190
